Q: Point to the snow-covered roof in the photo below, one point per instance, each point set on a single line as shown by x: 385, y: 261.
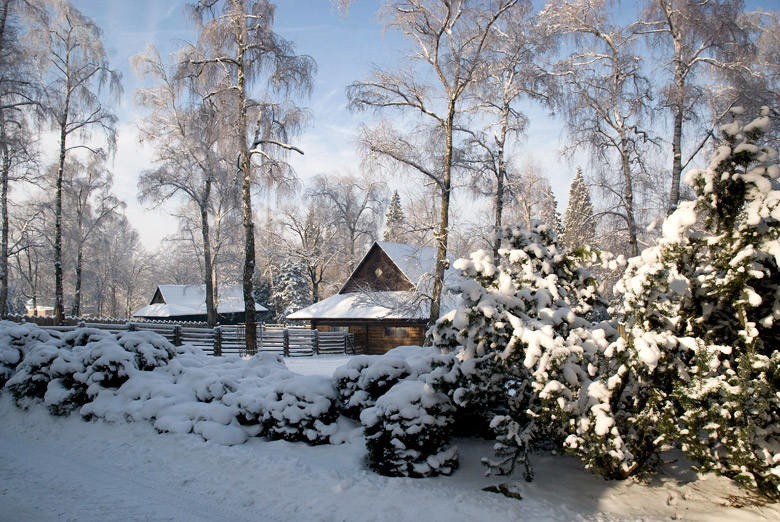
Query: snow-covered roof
x: 416, y: 263
x: 191, y: 300
x: 370, y: 305
x: 373, y: 306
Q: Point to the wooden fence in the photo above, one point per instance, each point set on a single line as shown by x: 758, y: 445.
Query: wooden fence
x: 289, y: 341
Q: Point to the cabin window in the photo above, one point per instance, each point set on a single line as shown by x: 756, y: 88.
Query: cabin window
x: 378, y: 272
x: 343, y: 329
x: 396, y: 331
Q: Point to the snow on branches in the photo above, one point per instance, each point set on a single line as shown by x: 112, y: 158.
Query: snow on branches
x: 519, y: 332
x: 702, y: 312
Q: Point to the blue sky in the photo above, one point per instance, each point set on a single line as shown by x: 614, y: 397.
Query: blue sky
x: 345, y: 49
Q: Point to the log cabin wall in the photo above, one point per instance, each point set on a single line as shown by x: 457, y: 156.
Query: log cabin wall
x: 378, y: 337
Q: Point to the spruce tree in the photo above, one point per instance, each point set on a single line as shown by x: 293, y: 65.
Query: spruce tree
x: 699, y: 363
x: 291, y: 290
x: 395, y: 221
x: 548, y: 213
x: 579, y: 224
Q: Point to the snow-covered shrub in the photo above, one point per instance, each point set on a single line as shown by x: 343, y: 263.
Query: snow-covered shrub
x: 33, y: 374
x: 407, y: 432
x: 699, y: 362
x: 98, y: 360
x: 303, y: 408
x: 195, y: 393
x: 224, y: 399
x: 140, y: 376
x: 365, y: 378
x: 353, y: 400
x: 150, y: 349
x: 83, y: 336
x: 68, y: 369
x: 15, y: 340
x: 518, y: 334
x: 622, y: 407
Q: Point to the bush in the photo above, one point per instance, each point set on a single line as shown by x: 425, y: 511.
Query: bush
x: 517, y: 335
x: 67, y: 370
x: 150, y: 349
x: 33, y: 374
x: 303, y: 408
x: 700, y: 365
x: 15, y: 340
x: 365, y: 378
x: 352, y: 399
x: 407, y: 432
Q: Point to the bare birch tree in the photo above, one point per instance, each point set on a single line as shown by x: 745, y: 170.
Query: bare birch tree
x: 510, y: 73
x: 17, y: 146
x: 186, y: 129
x: 237, y: 50
x: 526, y: 188
x: 89, y: 203
x: 697, y: 37
x: 605, y: 98
x: 753, y: 80
x: 355, y: 203
x: 309, y: 243
x: 30, y: 252
x: 74, y: 73
x: 450, y: 37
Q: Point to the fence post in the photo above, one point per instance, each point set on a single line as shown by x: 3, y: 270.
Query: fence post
x: 286, y: 343
x: 217, y: 341
x: 316, y: 341
x: 177, y: 335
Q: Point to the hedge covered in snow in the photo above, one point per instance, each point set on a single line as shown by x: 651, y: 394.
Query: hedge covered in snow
x: 140, y: 376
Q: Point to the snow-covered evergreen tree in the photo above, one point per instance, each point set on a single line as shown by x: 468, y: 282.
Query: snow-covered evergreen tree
x: 395, y: 221
x: 263, y: 294
x: 699, y: 363
x: 291, y: 290
x: 579, y: 224
x: 548, y: 212
x: 514, y: 330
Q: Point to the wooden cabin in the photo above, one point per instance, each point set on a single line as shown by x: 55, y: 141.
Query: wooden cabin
x: 383, y: 302
x: 187, y: 303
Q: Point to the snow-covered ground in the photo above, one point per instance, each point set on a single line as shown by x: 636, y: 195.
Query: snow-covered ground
x: 55, y: 468
x: 322, y: 365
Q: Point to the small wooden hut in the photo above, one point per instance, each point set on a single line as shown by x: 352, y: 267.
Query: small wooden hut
x: 187, y: 303
x: 384, y: 301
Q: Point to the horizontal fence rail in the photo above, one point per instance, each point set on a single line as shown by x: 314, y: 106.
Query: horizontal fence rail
x: 289, y: 341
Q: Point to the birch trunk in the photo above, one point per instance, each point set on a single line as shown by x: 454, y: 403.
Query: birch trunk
x: 208, y: 269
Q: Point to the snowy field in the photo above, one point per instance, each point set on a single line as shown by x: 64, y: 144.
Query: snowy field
x: 55, y: 468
